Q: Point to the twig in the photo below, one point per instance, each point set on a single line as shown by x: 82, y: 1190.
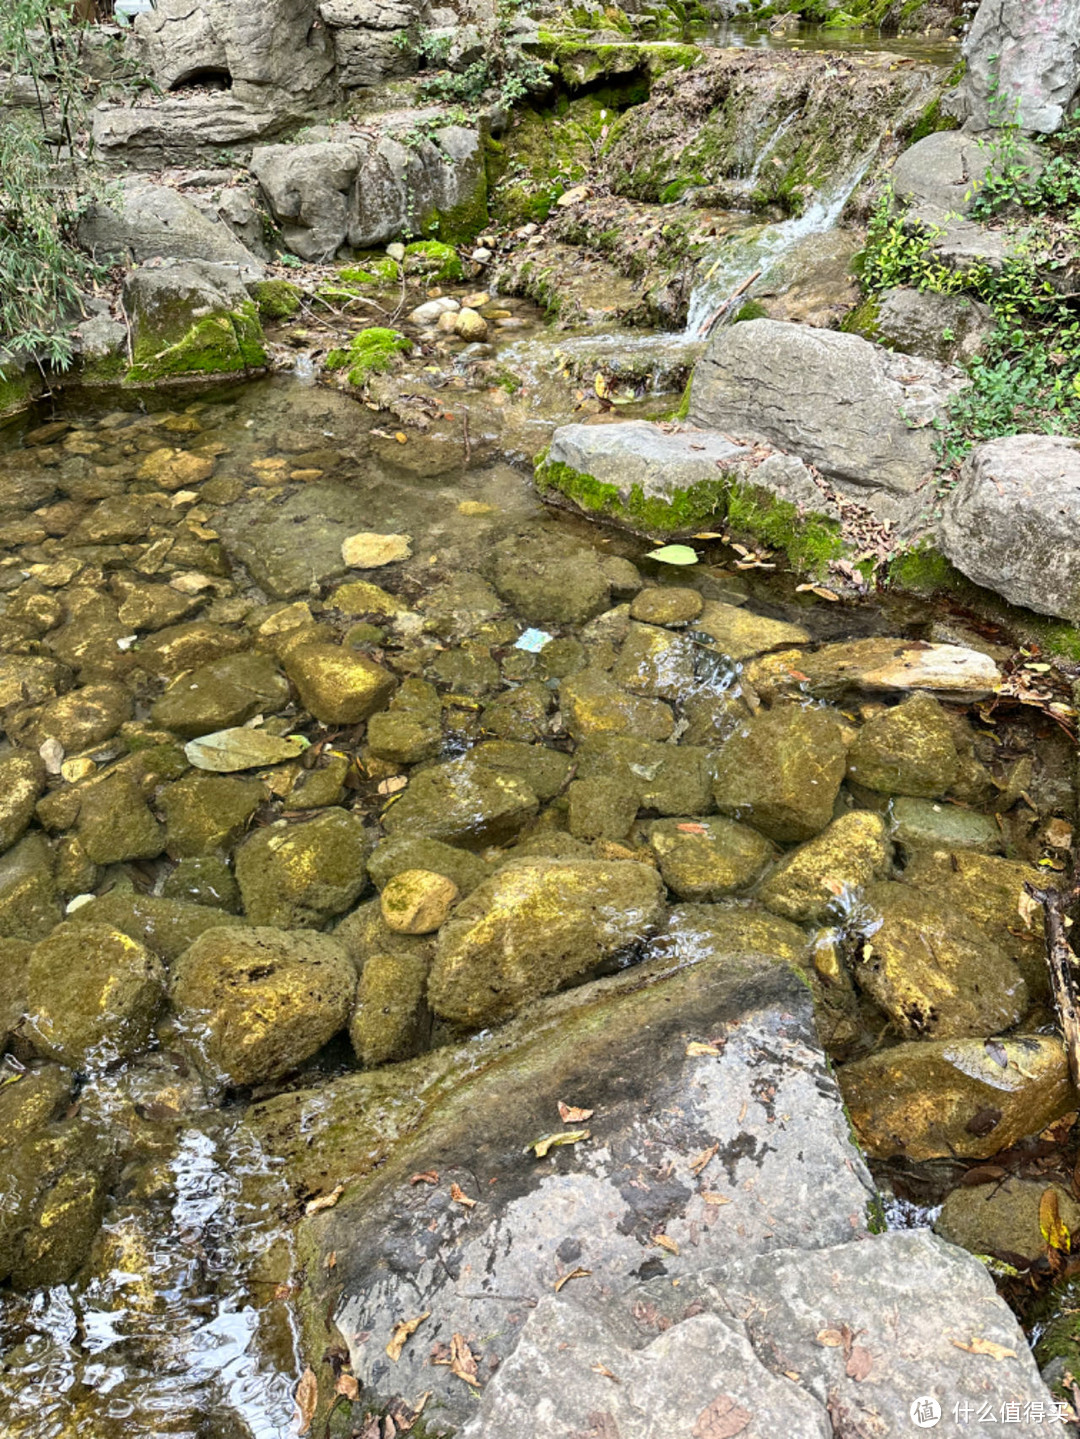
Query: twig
x: 711, y: 321
x: 1063, y: 964
x: 465, y: 432
x: 401, y: 300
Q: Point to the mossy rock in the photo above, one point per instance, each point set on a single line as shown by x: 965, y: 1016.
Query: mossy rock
x: 191, y: 318
x: 810, y: 883
x: 381, y: 271
x: 391, y: 1021
x: 434, y: 259
x: 371, y: 352
x: 276, y: 299
x: 297, y: 876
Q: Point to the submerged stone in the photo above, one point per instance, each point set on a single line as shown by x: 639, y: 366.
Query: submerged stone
x: 22, y: 778
x: 463, y: 802
x: 116, y: 824
x: 207, y: 812
x: 1002, y: 1220
x: 655, y: 663
x: 670, y: 779
x: 166, y: 926
x: 602, y: 807
x: 919, y: 823
x: 221, y: 694
x: 740, y: 634
x: 29, y: 903
x: 297, y: 876
x: 822, y: 877
x: 552, y: 579
x: 909, y: 750
x: 708, y: 859
x: 391, y: 1021
x: 593, y: 704
x: 337, y: 685
x: 393, y: 856
x: 696, y: 931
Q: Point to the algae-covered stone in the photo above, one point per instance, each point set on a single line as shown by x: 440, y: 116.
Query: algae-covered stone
x: 52, y: 1196
x: 116, y: 824
x: 1002, y: 1220
x: 666, y: 605
x: 932, y: 971
x: 93, y: 994
x: 670, y: 779
x: 394, y: 856
x: 391, y: 1021
x: 695, y: 930
x: 466, y: 669
x: 602, y: 807
x: 545, y: 771
x: 782, y: 771
x: 808, y: 884
x: 410, y: 730
x: 907, y: 750
x: 740, y: 634
x: 360, y: 597
x: 955, y: 1099
x: 203, y: 879
x: 464, y: 803
x: 418, y: 901
x: 550, y: 578
x: 82, y: 718
x: 338, y: 685
x: 28, y: 1104
x: 14, y: 963
x: 253, y: 1003
x: 207, y: 812
x: 296, y: 876
x: 712, y: 715
x: 165, y: 926
x: 533, y: 928
x: 31, y: 679
x: 221, y: 694
x: 22, y: 778
x: 183, y: 647
x: 593, y: 704
x: 520, y: 714
x: 655, y: 663
x: 922, y: 824
x: 322, y: 786
x: 29, y: 903
x: 706, y: 859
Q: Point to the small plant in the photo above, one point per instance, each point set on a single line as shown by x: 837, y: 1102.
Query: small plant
x: 504, y: 72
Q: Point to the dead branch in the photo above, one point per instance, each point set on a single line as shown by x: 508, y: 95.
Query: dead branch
x: 1063, y: 964
x: 706, y: 328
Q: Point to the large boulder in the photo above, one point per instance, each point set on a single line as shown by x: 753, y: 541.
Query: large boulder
x: 143, y: 221
x: 950, y: 329
x: 859, y: 413
x: 370, y: 38
x: 1023, y: 65
x: 1013, y: 522
x: 191, y: 317
x: 941, y: 173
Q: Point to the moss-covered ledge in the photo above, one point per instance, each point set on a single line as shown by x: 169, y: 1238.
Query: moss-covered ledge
x: 226, y: 344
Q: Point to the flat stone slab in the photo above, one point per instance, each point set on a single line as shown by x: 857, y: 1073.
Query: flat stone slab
x: 292, y: 540
x: 659, y: 462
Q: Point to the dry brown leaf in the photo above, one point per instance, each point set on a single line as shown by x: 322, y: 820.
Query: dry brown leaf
x: 403, y: 1332
x: 429, y: 1176
x: 605, y: 1371
x: 574, y: 1274
x: 394, y: 785
x: 540, y: 1147
x: 462, y: 1362
x: 721, y: 1419
x: 711, y: 1197
x: 330, y: 1260
x: 699, y: 1161
x: 569, y: 1115
x: 347, y: 1386
x: 830, y: 1338
x: 666, y: 1243
x: 324, y: 1201
x: 458, y: 1195
x: 307, y: 1397
x: 860, y: 1361
x: 691, y: 828
x: 986, y: 1346
x: 696, y: 1047
x: 1059, y: 834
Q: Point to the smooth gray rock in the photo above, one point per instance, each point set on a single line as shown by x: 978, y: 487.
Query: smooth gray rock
x: 943, y: 171
x: 1023, y: 65
x: 1013, y: 522
x: 186, y: 130
x: 949, y: 329
x: 637, y: 455
x: 861, y: 414
x: 293, y: 543
x: 759, y: 1124
x: 149, y: 222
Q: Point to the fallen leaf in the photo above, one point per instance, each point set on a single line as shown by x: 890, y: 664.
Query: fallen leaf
x: 601, y: 386
x: 988, y: 1347
x: 569, y: 1115
x: 307, y: 1397
x: 462, y: 1362
x: 227, y: 750
x: 696, y: 1047
x: 458, y: 1195
x: 1059, y: 834
x: 721, y: 1419
x: 330, y: 1260
x: 818, y: 590
x: 691, y: 828
x: 401, y: 437
x: 324, y: 1201
x: 540, y: 1147
x: 674, y: 555
x: 403, y: 1332
x: 429, y: 1176
x: 711, y: 1197
x: 573, y: 196
x: 1054, y: 1229
x: 574, y: 1274
x: 698, y: 1163
x: 1027, y: 908
x: 708, y: 535
x: 860, y: 1361
x: 605, y: 1371
x: 666, y: 1243
x: 347, y: 1386
x: 830, y: 1338
x: 394, y: 785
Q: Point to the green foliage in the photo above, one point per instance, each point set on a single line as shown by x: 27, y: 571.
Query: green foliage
x: 504, y: 73
x: 43, y: 159
x: 433, y: 258
x: 371, y: 352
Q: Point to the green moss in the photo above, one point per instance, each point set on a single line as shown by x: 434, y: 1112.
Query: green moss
x: 461, y: 223
x: 809, y: 541
x: 16, y: 390
x: 682, y: 411
x: 375, y: 272
x: 752, y: 310
x: 875, y: 1215
x: 371, y: 352
x: 228, y: 343
x: 435, y: 259
x: 931, y: 121
x: 583, y: 63
x: 542, y: 154
x: 276, y: 299
x: 650, y: 514
x: 862, y: 320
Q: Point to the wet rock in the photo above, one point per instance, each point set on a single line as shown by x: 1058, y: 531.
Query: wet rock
x: 391, y: 1021
x: 463, y: 802
x: 708, y: 859
x: 822, y: 876
x: 337, y: 685
x: 696, y: 930
x: 31, y: 679
x: 877, y: 665
x: 359, y: 597
x: 593, y: 704
x: 290, y: 543
x: 410, y: 730
x: 27, y: 1105
x: 954, y: 1098
x: 14, y: 962
x: 460, y: 606
x: 468, y: 669
x: 602, y: 807
x: 80, y: 719
x: 370, y: 551
x: 116, y: 824
x: 1003, y: 1219
x: 52, y: 1197
x: 907, y: 750
x: 29, y: 904
x: 918, y: 823
x: 254, y: 1003
x: 182, y: 647
x: 418, y: 901
x: 860, y: 414
x: 712, y: 715
x: 204, y: 879
x: 545, y: 771
x: 666, y: 605
x: 740, y: 634
x: 221, y: 694
x: 519, y: 714
x: 320, y: 787
x: 469, y: 325
x: 296, y: 876
x: 146, y: 606
x: 655, y: 663
x: 1023, y: 66
x: 393, y: 856
x: 22, y: 778
x: 1013, y: 521
x: 551, y: 579
x: 669, y: 779
x: 206, y: 812
x: 165, y: 926
x: 533, y: 928
x: 931, y: 972
x: 92, y: 996
x: 949, y: 329
x: 175, y: 469
x: 782, y: 771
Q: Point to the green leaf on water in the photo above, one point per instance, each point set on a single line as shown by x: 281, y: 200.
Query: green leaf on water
x: 674, y: 555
